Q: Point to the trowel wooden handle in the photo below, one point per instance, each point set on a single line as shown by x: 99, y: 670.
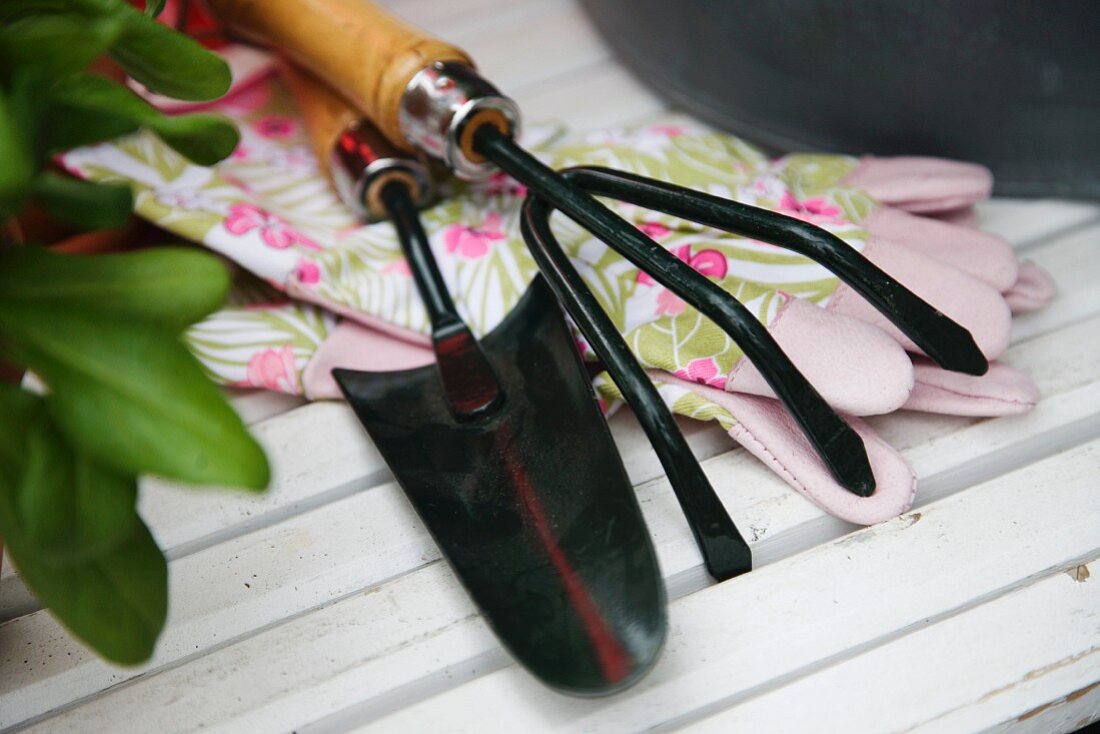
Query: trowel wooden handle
x: 359, y: 49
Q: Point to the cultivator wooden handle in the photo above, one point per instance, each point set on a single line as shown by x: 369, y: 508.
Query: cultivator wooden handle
x: 365, y: 53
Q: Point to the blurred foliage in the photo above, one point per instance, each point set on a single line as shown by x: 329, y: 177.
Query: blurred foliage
x: 123, y: 395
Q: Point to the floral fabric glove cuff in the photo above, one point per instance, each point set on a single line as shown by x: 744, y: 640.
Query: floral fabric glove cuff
x: 268, y: 209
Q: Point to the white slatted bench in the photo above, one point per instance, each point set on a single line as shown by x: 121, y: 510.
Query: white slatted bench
x: 323, y: 605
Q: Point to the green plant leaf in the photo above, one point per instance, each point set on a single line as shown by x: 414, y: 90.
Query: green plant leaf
x: 12, y: 10
x: 168, y: 62
x: 115, y: 602
x: 67, y: 506
x: 132, y: 395
x: 19, y: 408
x: 169, y: 286
x: 152, y: 53
x: 202, y: 137
x: 17, y: 169
x: 71, y: 507
x: 153, y: 8
x: 83, y: 203
x: 70, y: 126
x: 58, y: 45
x: 113, y: 595
x: 87, y: 108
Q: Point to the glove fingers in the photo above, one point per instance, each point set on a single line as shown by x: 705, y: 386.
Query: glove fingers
x: 354, y: 346
x: 856, y: 367
x: 1034, y: 289
x: 972, y: 303
x: 1001, y: 391
x: 921, y: 185
x: 768, y: 432
x: 983, y: 255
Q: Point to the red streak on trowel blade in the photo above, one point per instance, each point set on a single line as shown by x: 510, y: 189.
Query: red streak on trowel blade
x: 466, y: 376
x: 613, y: 660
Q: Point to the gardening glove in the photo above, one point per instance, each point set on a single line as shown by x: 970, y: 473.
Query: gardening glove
x: 937, y: 260
x: 942, y: 191
x: 264, y: 339
x: 268, y: 209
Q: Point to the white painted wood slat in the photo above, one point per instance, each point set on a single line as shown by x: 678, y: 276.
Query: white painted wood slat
x: 997, y: 662
x: 1028, y: 221
x: 1075, y: 266
x: 844, y: 597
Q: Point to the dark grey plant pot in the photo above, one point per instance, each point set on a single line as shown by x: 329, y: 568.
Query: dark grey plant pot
x: 1013, y: 85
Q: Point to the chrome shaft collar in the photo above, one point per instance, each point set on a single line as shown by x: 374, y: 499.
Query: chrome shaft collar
x: 439, y: 102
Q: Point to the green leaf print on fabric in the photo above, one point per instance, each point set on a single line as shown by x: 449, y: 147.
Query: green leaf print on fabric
x: 260, y: 345
x: 818, y: 177
x: 678, y: 399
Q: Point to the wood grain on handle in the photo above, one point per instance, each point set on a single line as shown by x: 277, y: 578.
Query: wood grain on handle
x: 361, y: 50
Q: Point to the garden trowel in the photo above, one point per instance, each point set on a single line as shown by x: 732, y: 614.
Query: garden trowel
x: 502, y: 449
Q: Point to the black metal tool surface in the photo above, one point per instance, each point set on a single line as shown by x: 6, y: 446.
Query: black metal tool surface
x: 531, y: 506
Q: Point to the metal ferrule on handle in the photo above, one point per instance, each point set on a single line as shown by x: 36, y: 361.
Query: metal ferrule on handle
x: 362, y: 163
x: 354, y: 155
x: 444, y: 105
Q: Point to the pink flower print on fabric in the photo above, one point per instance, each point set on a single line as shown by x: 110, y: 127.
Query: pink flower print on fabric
x: 710, y: 263
x: 703, y: 370
x: 582, y: 346
x: 275, y: 127
x: 307, y: 272
x: 274, y: 369
x: 814, y: 209
x: 669, y: 304
x: 274, y: 230
x: 473, y: 243
x: 653, y: 230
